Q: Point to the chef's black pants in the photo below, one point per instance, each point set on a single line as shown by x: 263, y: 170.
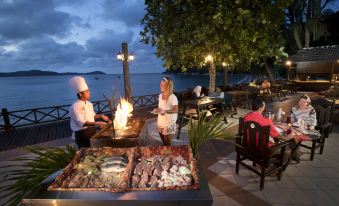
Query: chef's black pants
x: 83, y: 137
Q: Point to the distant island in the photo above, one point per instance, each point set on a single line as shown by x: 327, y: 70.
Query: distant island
x: 44, y: 73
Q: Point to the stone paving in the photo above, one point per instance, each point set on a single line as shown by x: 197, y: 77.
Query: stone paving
x: 308, y: 183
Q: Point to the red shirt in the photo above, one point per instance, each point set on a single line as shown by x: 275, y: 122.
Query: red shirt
x: 263, y: 121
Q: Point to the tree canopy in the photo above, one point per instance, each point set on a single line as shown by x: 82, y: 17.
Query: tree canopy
x: 305, y: 22
x: 238, y: 32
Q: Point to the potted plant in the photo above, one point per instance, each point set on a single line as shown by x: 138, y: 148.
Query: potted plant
x: 204, y: 128
x: 29, y: 175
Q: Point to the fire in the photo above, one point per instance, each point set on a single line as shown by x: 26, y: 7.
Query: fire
x: 124, y: 110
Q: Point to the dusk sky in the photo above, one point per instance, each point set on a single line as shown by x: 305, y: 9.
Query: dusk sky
x: 74, y: 35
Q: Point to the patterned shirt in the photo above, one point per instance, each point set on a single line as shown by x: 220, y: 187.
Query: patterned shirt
x: 309, y: 116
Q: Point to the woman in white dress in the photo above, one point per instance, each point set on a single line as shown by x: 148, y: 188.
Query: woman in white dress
x: 167, y: 111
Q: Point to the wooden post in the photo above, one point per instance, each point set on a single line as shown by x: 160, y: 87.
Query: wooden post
x: 225, y: 75
x: 128, y: 91
x: 7, y: 122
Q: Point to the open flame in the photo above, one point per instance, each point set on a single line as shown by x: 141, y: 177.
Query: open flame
x: 124, y: 110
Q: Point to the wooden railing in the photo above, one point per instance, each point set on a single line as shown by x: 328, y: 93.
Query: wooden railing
x: 27, y: 117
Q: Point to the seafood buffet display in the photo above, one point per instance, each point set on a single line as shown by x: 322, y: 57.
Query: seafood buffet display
x: 126, y: 169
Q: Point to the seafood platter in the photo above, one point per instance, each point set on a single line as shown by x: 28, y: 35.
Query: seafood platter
x: 130, y: 169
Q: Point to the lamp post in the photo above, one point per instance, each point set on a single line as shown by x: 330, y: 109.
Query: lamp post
x: 225, y: 66
x: 289, y: 64
x: 125, y: 58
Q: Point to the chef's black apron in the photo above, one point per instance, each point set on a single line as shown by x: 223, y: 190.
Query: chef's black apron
x: 83, y: 137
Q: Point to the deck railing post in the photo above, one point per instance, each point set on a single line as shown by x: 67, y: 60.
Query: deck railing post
x: 7, y: 122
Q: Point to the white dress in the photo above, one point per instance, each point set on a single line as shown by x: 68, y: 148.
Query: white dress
x: 167, y: 122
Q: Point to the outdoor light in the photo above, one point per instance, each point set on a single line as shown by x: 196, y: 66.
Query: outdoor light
x: 131, y: 57
x: 120, y: 56
x: 224, y: 64
x: 288, y: 63
x: 209, y: 58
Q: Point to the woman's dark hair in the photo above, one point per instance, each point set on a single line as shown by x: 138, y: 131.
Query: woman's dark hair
x: 257, y: 103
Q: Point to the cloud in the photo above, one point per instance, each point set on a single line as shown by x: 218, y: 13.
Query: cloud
x: 36, y: 35
x: 99, y: 53
x: 108, y: 42
x: 20, y: 19
x: 128, y: 11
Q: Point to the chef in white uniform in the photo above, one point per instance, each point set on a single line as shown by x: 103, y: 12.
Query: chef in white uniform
x: 82, y: 114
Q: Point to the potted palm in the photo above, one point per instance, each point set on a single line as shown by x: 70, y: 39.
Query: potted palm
x: 203, y: 128
x: 29, y: 175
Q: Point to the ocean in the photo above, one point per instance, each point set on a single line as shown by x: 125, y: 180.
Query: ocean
x: 18, y: 93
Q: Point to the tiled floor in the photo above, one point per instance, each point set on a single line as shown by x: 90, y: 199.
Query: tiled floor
x: 308, y: 183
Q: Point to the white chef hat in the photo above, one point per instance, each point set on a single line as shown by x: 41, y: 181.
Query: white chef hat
x: 78, y: 84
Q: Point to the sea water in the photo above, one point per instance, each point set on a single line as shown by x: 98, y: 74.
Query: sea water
x: 43, y: 91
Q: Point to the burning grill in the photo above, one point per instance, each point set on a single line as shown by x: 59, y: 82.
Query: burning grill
x: 127, y: 129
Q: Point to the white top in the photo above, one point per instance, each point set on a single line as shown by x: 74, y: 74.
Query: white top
x: 81, y: 112
x: 167, y: 119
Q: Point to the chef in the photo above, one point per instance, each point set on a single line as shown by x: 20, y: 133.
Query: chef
x: 82, y: 114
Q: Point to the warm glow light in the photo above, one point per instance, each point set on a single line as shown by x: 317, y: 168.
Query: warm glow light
x: 224, y: 64
x: 119, y: 56
x: 124, y: 110
x: 338, y: 61
x: 288, y: 63
x: 209, y: 58
x: 131, y: 57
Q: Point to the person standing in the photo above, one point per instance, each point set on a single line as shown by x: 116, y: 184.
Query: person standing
x: 167, y: 111
x: 82, y: 114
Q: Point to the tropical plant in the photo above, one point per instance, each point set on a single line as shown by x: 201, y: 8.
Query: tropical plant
x: 204, y: 128
x: 238, y: 32
x: 26, y: 176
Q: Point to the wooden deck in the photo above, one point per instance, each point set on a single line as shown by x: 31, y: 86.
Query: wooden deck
x: 39, y: 133
x: 34, y: 134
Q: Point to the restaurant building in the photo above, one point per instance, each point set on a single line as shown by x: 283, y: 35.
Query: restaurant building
x: 315, y: 68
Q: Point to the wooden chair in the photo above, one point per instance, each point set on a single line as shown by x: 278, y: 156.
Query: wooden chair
x: 252, y: 144
x: 323, y: 127
x: 328, y: 119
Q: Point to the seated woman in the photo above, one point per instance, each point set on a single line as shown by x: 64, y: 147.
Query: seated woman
x: 197, y: 94
x: 218, y: 93
x: 303, y: 115
x: 258, y: 106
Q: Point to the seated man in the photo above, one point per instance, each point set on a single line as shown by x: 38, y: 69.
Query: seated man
x: 253, y: 83
x: 218, y: 93
x: 266, y: 86
x: 258, y: 106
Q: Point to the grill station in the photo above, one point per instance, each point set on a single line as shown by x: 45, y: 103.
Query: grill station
x: 121, y: 168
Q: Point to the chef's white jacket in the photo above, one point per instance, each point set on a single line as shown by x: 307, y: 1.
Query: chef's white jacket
x: 81, y: 112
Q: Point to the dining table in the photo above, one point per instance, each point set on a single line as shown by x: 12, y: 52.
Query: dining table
x: 199, y: 105
x: 301, y: 135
